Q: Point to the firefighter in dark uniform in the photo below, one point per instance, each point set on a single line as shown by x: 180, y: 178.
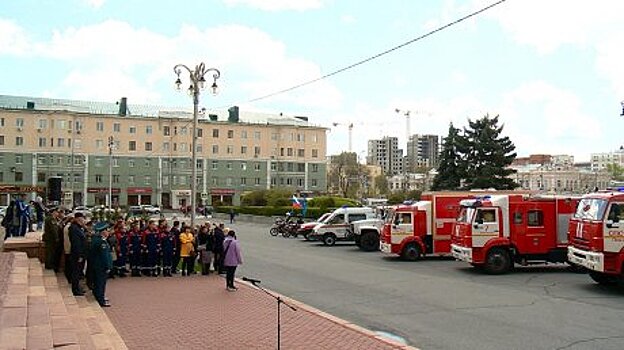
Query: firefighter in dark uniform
x: 151, y: 247
x: 135, y: 249
x: 122, y: 249
x: 101, y: 261
x: 168, y: 243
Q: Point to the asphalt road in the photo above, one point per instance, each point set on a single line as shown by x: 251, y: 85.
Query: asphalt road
x: 438, y: 303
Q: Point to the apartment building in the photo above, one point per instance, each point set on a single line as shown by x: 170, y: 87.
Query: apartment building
x: 237, y: 151
x: 386, y: 154
x: 422, y: 151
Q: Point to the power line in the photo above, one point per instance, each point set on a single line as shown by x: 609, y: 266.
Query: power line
x: 383, y: 53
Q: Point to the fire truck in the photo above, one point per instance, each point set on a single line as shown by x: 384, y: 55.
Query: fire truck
x: 597, y: 236
x: 424, y: 227
x: 494, y: 232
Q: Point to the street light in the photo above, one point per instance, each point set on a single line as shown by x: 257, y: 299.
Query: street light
x: 622, y: 104
x: 198, y: 83
x: 111, y: 144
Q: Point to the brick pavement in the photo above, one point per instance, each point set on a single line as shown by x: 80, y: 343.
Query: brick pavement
x: 6, y: 263
x: 198, y: 313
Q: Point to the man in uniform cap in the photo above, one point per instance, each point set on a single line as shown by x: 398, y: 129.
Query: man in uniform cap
x: 100, y: 261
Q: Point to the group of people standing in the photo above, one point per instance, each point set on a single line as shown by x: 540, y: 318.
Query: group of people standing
x: 136, y: 248
x: 22, y: 216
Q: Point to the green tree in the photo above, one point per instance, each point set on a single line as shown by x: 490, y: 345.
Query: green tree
x: 488, y: 155
x: 452, y: 166
x: 255, y: 198
x: 616, y: 171
x: 381, y: 185
x: 344, y: 174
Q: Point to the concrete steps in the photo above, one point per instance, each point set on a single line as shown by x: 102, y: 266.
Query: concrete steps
x: 40, y: 312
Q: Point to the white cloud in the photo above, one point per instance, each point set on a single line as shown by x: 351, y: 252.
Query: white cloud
x: 278, y: 5
x: 13, y: 38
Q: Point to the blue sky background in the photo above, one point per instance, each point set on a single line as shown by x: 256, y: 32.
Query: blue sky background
x: 552, y: 70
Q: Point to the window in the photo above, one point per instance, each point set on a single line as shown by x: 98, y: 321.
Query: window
x: 148, y: 163
x: 131, y: 163
x: 243, y: 149
x: 215, y: 133
x: 215, y: 149
x: 43, y: 124
x: 300, y: 182
x: 133, y: 130
x: 2, y: 122
x: 131, y: 145
x: 182, y: 180
x: 300, y: 137
x: 166, y: 146
x: 289, y: 182
x: 300, y: 152
x: 228, y: 166
x: 19, y: 141
x: 243, y: 181
x: 19, y: 159
x: 41, y: 177
x: 215, y: 181
x: 99, y: 162
x: 486, y: 215
x: 148, y: 129
x: 19, y: 122
x: 200, y: 132
x: 19, y: 176
x: 77, y: 144
x: 274, y: 136
x: 314, y: 153
x: 165, y: 180
x: 273, y: 181
x: 183, y: 130
x: 273, y: 166
x: 243, y: 165
x: 282, y: 151
x: 1, y: 173
x: 116, y: 179
x: 166, y: 130
x: 215, y: 165
x: 301, y: 167
x: 256, y: 150
x: 61, y: 124
x: 289, y: 152
x: 314, y: 167
x: 230, y: 134
x: 183, y: 147
x: 199, y: 164
x: 535, y: 218
x: 314, y: 183
x: 290, y: 167
x: 148, y: 179
x: 60, y: 142
x: 517, y: 218
x: 98, y: 179
x: 230, y: 149
x: 131, y: 179
x: 257, y: 166
x: 99, y: 144
x: 116, y: 162
x: 315, y: 138
x: 148, y: 146
x: 1, y: 140
x: 228, y: 181
x: 116, y: 127
x: 42, y: 142
x: 257, y: 181
x: 99, y: 126
x: 257, y: 135
x: 243, y: 134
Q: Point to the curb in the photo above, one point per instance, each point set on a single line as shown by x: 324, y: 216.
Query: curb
x: 334, y: 319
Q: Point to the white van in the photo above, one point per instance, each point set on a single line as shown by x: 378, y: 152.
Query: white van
x: 337, y: 226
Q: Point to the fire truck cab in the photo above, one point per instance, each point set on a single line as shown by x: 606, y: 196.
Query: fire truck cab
x: 494, y: 232
x: 597, y: 237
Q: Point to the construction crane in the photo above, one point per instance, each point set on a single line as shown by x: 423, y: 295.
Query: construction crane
x: 350, y: 127
x: 407, y: 113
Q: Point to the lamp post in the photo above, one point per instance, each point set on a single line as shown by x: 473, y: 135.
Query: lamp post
x: 198, y: 83
x: 111, y: 144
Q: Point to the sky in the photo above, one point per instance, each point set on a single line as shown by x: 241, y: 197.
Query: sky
x: 553, y: 70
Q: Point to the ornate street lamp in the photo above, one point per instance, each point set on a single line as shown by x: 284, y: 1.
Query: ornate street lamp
x: 197, y: 84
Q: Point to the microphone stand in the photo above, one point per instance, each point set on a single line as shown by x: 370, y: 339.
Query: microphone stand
x: 279, y: 302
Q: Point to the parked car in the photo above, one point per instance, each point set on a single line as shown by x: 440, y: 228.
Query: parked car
x: 150, y: 209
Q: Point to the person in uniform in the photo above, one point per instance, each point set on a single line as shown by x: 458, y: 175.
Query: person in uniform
x: 100, y: 261
x: 52, y: 236
x: 169, y: 245
x: 151, y: 246
x: 78, y: 251
x: 122, y: 249
x: 219, y: 237
x: 135, y: 249
x: 175, y: 231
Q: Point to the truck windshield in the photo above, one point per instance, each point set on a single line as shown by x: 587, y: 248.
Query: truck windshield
x: 466, y: 214
x: 591, y: 209
x: 389, y: 217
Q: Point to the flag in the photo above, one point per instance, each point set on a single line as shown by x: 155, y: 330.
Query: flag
x: 295, y: 203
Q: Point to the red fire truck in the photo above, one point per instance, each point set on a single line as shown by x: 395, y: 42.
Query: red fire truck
x: 424, y: 227
x: 496, y: 231
x: 597, y: 237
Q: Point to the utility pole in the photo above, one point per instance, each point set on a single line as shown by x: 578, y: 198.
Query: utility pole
x: 111, y: 143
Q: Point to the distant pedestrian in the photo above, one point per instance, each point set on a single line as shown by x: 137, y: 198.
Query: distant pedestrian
x: 232, y: 257
x: 187, y: 251
x: 100, y: 261
x: 232, y: 215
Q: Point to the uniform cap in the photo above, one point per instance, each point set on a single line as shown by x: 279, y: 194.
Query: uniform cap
x: 100, y: 226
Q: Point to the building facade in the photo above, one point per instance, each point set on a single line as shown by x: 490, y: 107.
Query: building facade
x: 386, y: 154
x: 423, y: 151
x: 602, y: 160
x: 150, y: 160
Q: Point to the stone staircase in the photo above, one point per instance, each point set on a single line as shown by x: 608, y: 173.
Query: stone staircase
x: 39, y: 312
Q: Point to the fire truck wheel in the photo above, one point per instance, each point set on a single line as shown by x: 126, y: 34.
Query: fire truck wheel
x: 497, y: 261
x: 369, y: 241
x: 603, y: 279
x: 329, y: 239
x: 411, y: 252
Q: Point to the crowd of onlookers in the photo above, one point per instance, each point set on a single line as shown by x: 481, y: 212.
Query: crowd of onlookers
x: 22, y: 216
x: 94, y: 251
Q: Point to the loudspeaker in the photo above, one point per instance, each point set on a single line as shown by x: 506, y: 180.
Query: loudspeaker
x: 54, y: 189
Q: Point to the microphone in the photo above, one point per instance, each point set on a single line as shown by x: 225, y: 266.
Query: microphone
x: 251, y: 280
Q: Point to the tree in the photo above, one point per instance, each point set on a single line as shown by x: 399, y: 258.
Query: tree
x: 381, y: 184
x: 344, y: 174
x: 488, y: 155
x: 452, y: 166
x: 616, y: 171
